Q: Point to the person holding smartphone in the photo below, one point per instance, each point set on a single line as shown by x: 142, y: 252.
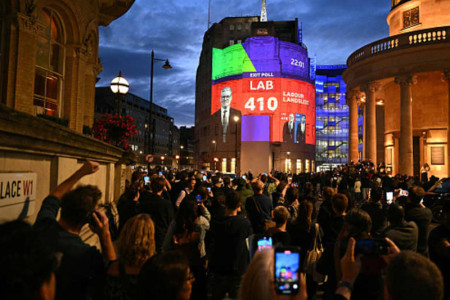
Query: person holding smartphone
x: 259, y: 280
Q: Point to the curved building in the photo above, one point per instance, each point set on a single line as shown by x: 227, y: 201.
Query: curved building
x: 402, y: 83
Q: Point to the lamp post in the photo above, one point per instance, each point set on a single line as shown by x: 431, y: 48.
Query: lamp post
x: 119, y: 86
x: 236, y: 120
x: 166, y: 66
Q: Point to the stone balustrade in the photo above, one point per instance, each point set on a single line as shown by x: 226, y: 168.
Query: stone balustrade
x: 401, y: 41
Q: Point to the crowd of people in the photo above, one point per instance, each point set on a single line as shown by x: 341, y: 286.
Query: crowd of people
x: 192, y: 235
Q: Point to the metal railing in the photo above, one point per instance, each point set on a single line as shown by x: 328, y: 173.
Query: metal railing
x: 402, y: 41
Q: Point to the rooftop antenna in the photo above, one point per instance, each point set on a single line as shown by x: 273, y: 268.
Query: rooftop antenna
x: 263, y: 11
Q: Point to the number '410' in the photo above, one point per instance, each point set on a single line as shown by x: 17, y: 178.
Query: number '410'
x: 272, y: 104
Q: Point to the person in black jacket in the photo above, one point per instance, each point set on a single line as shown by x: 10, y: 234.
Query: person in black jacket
x: 160, y: 209
x: 419, y: 214
x: 82, y: 266
x: 228, y: 251
x: 376, y: 212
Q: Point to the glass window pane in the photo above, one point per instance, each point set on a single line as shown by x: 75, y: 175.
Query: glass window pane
x: 56, y: 58
x: 39, y: 84
x: 52, y: 87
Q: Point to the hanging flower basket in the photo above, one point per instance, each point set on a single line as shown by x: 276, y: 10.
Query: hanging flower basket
x: 115, y: 129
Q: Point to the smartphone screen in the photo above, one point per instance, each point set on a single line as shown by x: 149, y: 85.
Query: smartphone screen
x: 287, y: 263
x: 389, y: 197
x: 371, y: 247
x: 199, y: 199
x: 244, y: 177
x: 146, y: 179
x: 264, y: 243
x: 404, y: 193
x: 205, y: 177
x: 209, y: 189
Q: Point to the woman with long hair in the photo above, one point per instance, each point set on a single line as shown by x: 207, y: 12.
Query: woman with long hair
x: 136, y: 245
x: 186, y: 234
x: 303, y: 233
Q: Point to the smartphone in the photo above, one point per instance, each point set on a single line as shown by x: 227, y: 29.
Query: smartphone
x: 295, y: 184
x: 209, y: 189
x: 199, y: 199
x: 264, y: 243
x: 160, y: 174
x: 403, y: 193
x: 265, y: 174
x: 287, y: 265
x: 373, y: 247
x: 146, y: 179
x: 389, y: 197
x: 91, y: 220
x: 244, y: 176
x: 205, y: 177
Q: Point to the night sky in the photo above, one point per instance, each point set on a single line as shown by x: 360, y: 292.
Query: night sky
x: 332, y: 30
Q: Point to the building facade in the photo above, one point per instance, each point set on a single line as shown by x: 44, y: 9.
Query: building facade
x: 166, y: 139
x: 48, y: 66
x: 230, y: 147
x: 408, y: 73
x: 331, y: 118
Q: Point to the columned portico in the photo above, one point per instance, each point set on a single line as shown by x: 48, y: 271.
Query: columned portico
x: 371, y: 122
x: 353, y: 135
x: 406, y: 133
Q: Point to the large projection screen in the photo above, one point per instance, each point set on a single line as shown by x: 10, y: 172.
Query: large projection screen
x: 265, y: 77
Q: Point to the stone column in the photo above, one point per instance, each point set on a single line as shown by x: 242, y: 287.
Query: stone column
x: 371, y: 122
x: 447, y: 78
x: 353, y: 126
x: 406, y: 130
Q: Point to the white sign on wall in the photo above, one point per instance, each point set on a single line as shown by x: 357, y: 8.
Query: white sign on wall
x: 17, y: 195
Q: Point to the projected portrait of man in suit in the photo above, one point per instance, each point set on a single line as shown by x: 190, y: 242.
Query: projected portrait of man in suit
x: 226, y: 112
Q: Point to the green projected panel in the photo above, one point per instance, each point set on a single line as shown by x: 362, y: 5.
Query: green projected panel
x: 230, y: 61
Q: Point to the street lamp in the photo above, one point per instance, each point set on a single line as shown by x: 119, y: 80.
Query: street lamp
x: 236, y: 120
x: 162, y: 159
x: 119, y: 86
x: 166, y: 66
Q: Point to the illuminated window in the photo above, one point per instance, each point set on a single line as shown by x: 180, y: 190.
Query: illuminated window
x: 231, y: 42
x: 231, y: 26
x: 411, y: 17
x: 233, y: 165
x: 49, y: 66
x: 224, y: 165
x: 299, y: 166
x: 287, y: 165
x: 239, y: 41
x: 239, y: 26
x: 313, y: 166
x: 306, y: 165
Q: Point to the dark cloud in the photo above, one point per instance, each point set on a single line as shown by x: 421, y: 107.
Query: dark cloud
x: 174, y: 29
